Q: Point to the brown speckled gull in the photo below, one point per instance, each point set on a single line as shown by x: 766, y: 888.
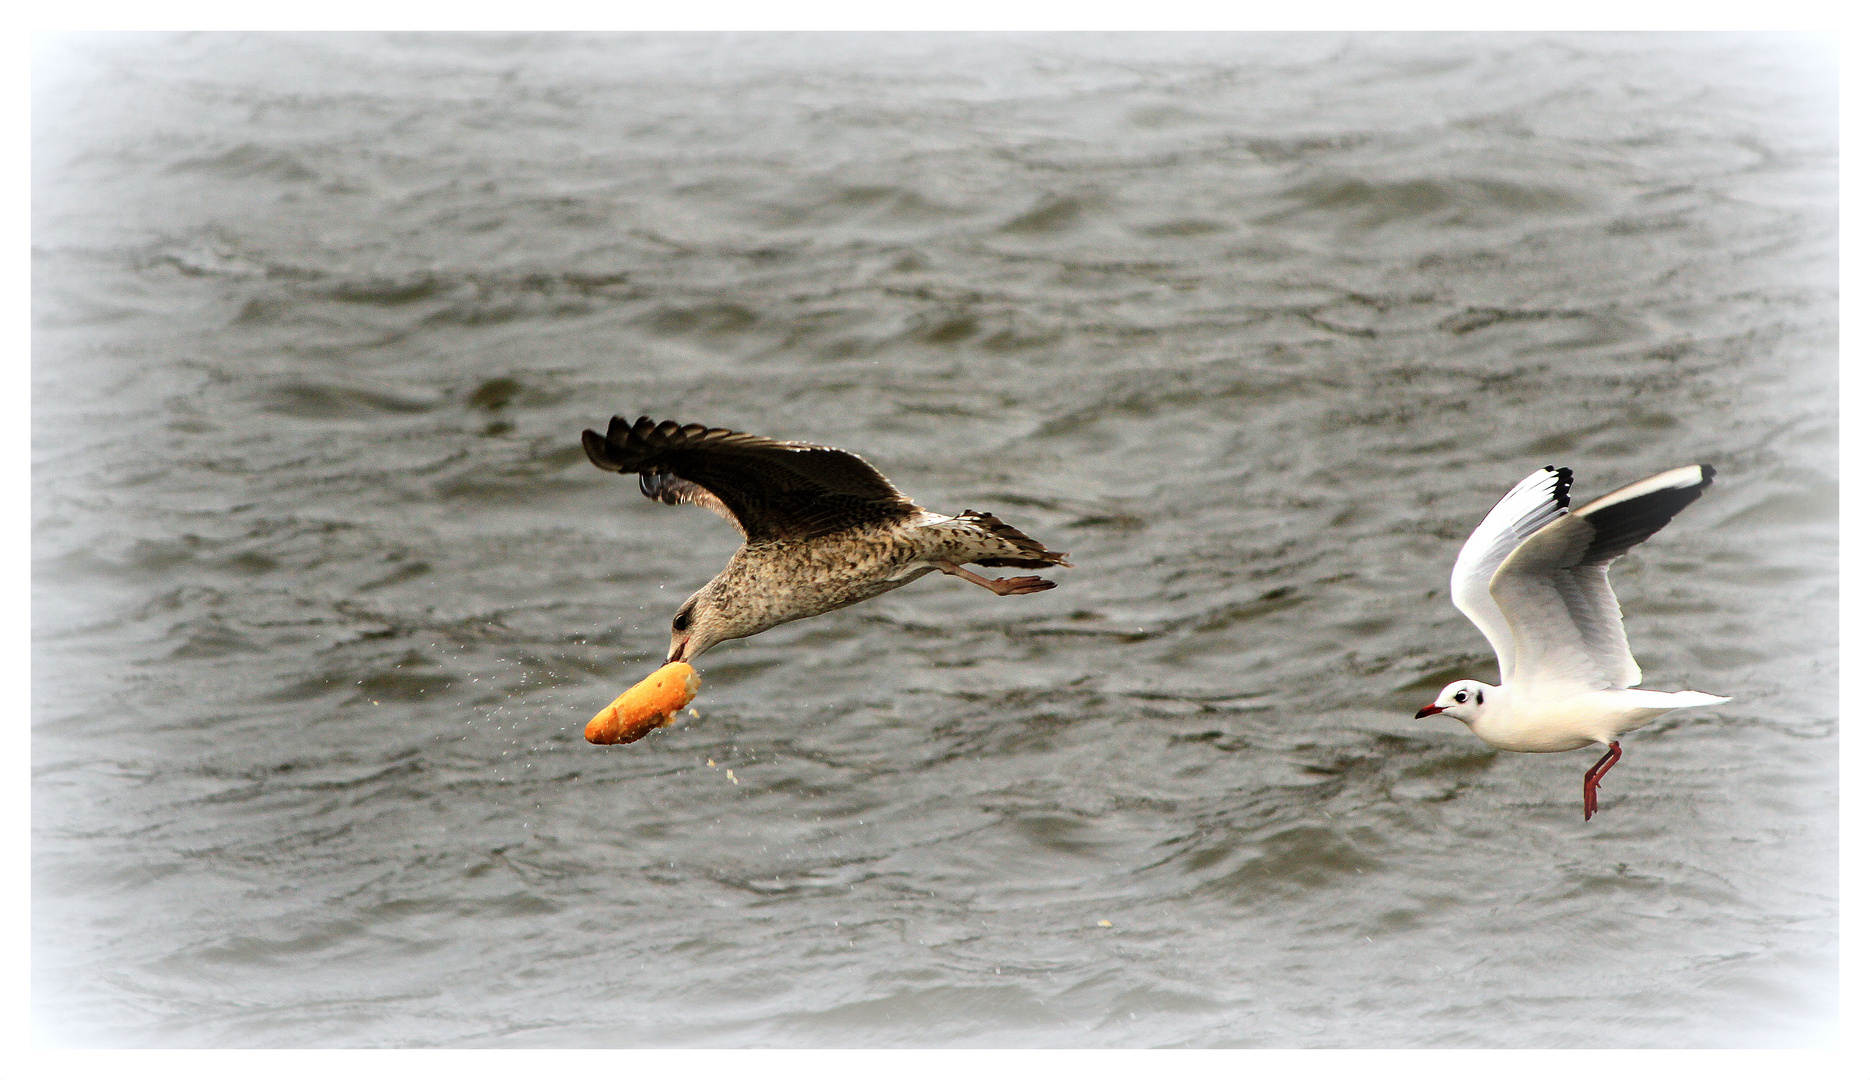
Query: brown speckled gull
x: 823, y: 529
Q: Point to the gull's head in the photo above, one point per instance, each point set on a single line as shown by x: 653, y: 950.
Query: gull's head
x: 702, y: 622
x: 1461, y: 700
x: 693, y: 630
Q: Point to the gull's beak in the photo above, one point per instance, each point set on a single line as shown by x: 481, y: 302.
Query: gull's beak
x: 676, y: 653
x: 1428, y: 710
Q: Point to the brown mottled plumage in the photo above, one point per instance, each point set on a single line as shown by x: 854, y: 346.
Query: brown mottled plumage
x: 823, y: 528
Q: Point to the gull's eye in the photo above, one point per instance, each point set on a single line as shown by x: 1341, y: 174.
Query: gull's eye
x: 1460, y: 695
x: 681, y: 621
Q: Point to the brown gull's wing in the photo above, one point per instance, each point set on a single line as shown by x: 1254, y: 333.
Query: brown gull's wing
x: 773, y: 490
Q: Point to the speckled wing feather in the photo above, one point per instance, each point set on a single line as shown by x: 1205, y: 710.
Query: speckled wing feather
x: 773, y: 490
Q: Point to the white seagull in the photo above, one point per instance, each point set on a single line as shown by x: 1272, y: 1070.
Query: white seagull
x: 1535, y: 577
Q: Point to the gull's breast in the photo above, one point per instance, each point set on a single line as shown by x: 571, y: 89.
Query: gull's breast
x: 1549, y: 727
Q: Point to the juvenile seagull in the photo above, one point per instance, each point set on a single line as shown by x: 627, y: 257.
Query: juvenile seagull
x: 822, y: 528
x: 1535, y: 578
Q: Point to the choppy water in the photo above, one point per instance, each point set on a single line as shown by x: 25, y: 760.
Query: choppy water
x: 1256, y: 327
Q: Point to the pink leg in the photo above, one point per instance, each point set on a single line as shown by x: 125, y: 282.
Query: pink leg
x: 1003, y: 586
x: 1611, y: 757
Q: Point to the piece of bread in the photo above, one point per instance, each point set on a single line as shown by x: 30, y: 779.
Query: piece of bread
x: 646, y: 706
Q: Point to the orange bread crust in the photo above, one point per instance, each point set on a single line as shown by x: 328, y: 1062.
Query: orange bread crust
x: 646, y: 706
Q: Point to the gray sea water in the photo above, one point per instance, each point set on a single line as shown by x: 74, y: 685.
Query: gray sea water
x: 1256, y: 327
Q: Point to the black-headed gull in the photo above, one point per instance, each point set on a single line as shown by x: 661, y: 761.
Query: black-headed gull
x: 1535, y: 577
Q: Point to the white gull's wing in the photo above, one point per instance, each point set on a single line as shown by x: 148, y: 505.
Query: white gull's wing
x: 1554, y: 589
x: 1532, y: 504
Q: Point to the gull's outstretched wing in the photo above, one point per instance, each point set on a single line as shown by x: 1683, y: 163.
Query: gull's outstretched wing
x: 770, y: 490
x: 1532, y: 504
x: 1553, y: 590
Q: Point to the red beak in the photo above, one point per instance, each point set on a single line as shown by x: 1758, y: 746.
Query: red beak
x: 1428, y: 710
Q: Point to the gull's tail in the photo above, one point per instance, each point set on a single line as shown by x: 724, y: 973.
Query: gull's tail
x: 992, y: 542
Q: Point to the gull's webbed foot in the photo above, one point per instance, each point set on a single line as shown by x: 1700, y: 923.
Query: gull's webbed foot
x: 1003, y: 586
x: 1596, y: 773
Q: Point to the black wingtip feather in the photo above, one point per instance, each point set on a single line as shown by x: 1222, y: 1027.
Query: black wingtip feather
x: 1623, y: 525
x: 1561, y: 492
x: 597, y: 448
x: 629, y: 445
